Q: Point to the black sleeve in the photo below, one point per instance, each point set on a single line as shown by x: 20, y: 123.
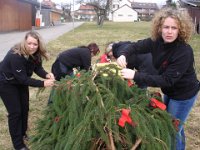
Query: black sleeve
x: 117, y: 47
x: 39, y: 70
x: 176, y: 69
x: 139, y: 47
x: 19, y: 70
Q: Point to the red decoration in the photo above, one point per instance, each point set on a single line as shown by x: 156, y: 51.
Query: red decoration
x: 157, y: 104
x: 176, y: 123
x: 130, y: 83
x: 78, y: 74
x: 57, y: 119
x: 125, y: 118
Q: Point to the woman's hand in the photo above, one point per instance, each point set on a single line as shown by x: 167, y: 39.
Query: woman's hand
x: 127, y: 73
x: 50, y: 76
x: 49, y: 82
x: 122, y: 61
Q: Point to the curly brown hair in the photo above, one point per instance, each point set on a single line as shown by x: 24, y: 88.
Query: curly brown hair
x: 182, y: 17
x: 21, y: 48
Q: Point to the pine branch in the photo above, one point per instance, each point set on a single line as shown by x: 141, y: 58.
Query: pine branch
x: 90, y: 113
x: 137, y: 143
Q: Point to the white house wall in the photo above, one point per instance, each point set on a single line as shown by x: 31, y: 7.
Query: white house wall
x: 125, y: 14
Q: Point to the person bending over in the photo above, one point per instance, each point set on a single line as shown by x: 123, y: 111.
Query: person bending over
x: 16, y: 70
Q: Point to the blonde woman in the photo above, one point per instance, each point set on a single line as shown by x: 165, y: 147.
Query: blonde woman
x: 174, y: 60
x: 16, y: 70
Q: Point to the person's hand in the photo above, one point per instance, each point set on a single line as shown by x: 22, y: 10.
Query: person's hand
x: 49, y: 82
x: 122, y: 61
x: 127, y: 73
x: 50, y: 76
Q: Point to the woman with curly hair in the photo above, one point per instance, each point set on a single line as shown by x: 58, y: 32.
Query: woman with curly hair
x: 16, y: 70
x: 174, y: 60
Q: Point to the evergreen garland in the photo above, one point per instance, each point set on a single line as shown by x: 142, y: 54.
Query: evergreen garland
x: 86, y: 110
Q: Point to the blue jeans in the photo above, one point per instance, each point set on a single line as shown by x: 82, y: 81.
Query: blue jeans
x: 180, y: 109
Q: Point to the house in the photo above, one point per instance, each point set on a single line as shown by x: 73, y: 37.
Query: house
x: 50, y: 15
x: 124, y: 14
x: 145, y: 10
x: 121, y: 11
x: 20, y: 15
x: 193, y: 7
x: 17, y: 15
x: 85, y: 12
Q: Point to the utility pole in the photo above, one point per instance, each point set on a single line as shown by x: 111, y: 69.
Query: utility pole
x: 73, y: 16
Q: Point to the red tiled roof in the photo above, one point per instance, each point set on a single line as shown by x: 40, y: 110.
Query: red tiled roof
x: 86, y: 7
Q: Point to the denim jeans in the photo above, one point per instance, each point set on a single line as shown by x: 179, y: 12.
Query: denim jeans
x: 180, y: 109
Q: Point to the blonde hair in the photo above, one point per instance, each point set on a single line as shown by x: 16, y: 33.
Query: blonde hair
x: 182, y: 17
x: 22, y: 50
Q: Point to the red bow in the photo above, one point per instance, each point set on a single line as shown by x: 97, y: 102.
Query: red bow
x: 125, y: 118
x: 157, y: 104
x: 130, y: 83
x: 78, y: 74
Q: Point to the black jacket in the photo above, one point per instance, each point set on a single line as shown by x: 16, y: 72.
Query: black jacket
x: 76, y: 57
x: 140, y: 62
x: 16, y: 69
x: 174, y: 62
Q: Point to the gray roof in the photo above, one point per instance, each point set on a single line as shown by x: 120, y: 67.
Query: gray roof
x: 137, y: 5
x: 31, y: 1
x: 34, y: 2
x: 195, y: 3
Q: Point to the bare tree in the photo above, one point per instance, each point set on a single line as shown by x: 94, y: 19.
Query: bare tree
x: 67, y: 8
x: 101, y: 8
x: 170, y: 3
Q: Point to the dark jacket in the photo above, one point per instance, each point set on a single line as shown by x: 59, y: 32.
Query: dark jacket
x: 16, y: 69
x: 174, y: 62
x: 140, y: 62
x: 79, y: 58
x: 76, y: 57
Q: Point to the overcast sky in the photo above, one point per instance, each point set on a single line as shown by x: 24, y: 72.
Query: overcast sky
x: 153, y: 1
x: 159, y: 2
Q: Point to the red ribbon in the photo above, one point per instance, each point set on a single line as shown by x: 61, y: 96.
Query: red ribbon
x: 57, y: 119
x: 78, y: 74
x: 125, y: 118
x: 157, y: 104
x: 130, y: 83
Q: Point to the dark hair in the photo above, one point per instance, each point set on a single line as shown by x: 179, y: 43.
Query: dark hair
x: 93, y: 47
